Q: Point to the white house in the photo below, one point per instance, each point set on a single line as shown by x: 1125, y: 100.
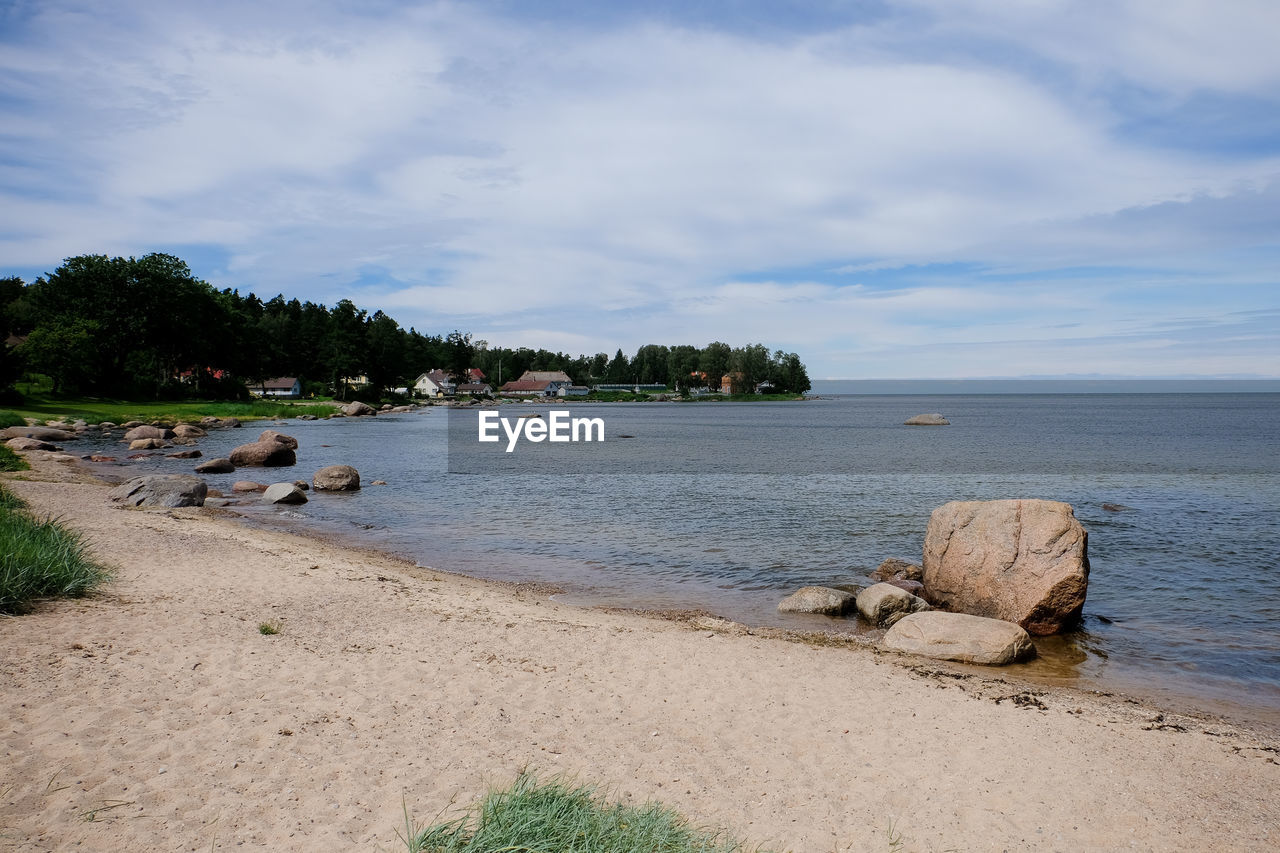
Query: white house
x: 434, y: 383
x: 283, y: 386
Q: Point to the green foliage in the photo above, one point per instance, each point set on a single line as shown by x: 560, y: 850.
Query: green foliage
x: 10, y: 461
x: 559, y: 816
x: 119, y: 411
x: 10, y: 419
x: 268, y: 629
x: 39, y: 558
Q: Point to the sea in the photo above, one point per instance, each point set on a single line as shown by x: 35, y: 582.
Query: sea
x: 728, y: 507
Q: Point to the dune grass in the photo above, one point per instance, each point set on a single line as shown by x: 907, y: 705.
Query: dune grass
x: 560, y: 816
x: 39, y: 558
x: 10, y: 461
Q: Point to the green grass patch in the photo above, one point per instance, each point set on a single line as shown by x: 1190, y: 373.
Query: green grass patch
x: 557, y: 816
x: 10, y: 461
x: 9, y: 418
x: 39, y: 558
x: 96, y: 410
x: 268, y: 629
x: 743, y: 398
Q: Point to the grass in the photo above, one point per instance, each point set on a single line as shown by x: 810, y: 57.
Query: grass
x: 39, y: 558
x: 9, y: 418
x: 10, y: 461
x: 557, y: 816
x: 268, y: 629
x: 96, y: 410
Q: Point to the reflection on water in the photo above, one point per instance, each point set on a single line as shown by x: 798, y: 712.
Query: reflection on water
x: 1180, y: 495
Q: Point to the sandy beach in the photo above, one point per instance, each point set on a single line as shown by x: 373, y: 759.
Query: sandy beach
x: 155, y: 716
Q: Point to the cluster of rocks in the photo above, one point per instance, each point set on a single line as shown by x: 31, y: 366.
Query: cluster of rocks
x: 994, y: 573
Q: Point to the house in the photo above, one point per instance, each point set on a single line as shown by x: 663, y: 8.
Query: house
x: 630, y: 387
x: 766, y: 387
x: 555, y: 379
x: 283, y: 386
x: 433, y: 383
x: 475, y: 374
x: 726, y: 382
x: 526, y: 388
x: 573, y: 391
x: 476, y: 389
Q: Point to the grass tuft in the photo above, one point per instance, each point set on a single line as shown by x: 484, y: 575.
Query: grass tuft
x: 10, y: 461
x: 39, y: 558
x: 11, y: 419
x: 268, y: 629
x: 559, y: 816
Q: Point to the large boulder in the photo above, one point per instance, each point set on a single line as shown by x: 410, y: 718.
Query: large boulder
x: 283, y: 493
x: 1024, y: 561
x: 884, y: 604
x: 146, y: 444
x: 279, y: 438
x: 358, y: 409
x: 822, y: 600
x: 215, y: 466
x: 39, y: 433
x: 189, y: 431
x: 161, y: 490
x: 263, y: 454
x: 931, y: 419
x: 336, y: 478
x: 960, y: 637
x: 148, y: 431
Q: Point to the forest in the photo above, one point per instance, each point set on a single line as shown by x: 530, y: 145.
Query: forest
x: 146, y: 328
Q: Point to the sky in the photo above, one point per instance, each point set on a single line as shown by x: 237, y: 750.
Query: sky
x: 924, y: 188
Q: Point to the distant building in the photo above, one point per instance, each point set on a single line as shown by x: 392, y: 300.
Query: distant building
x: 433, y: 383
x: 573, y: 391
x: 726, y: 382
x: 475, y: 389
x: 284, y: 386
x: 630, y: 387
x: 526, y: 388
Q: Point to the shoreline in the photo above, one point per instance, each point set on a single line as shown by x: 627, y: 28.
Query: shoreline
x: 406, y: 686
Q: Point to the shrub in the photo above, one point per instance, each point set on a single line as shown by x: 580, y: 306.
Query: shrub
x: 559, y: 816
x: 9, y: 418
x: 39, y: 558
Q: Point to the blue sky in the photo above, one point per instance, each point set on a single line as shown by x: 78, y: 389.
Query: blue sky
x: 928, y: 188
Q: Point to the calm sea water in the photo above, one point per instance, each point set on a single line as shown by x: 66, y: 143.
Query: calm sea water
x: 728, y: 507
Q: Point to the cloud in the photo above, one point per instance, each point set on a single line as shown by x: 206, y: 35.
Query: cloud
x: 833, y: 187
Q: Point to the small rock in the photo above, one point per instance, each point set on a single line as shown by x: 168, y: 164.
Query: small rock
x: 283, y: 493
x: 817, y: 599
x: 189, y: 431
x: 146, y: 444
x: 148, y: 431
x: 933, y: 419
x: 102, y: 459
x: 884, y: 604
x: 302, y: 484
x: 378, y: 483
x: 215, y: 466
x: 266, y: 454
x: 185, y: 454
x: 895, y: 568
x: 279, y: 438
x: 336, y: 478
x: 169, y: 490
x: 246, y: 486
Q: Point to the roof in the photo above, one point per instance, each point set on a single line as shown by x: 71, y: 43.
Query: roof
x: 280, y: 382
x: 473, y: 386
x: 475, y: 373
x: 545, y: 376
x: 523, y: 384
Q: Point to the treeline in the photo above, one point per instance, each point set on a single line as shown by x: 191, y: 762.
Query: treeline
x: 147, y: 328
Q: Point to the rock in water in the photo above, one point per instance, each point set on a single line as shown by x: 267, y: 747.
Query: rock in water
x: 189, y: 431
x: 960, y: 637
x: 215, y: 466
x: 358, y: 409
x: 148, y: 431
x: 279, y: 438
x: 161, y: 490
x: 146, y: 444
x: 265, y: 454
x: 336, y: 478
x: 933, y: 419
x: 894, y: 568
x: 1023, y: 561
x: 30, y: 444
x: 283, y: 493
x: 817, y: 599
x: 884, y: 604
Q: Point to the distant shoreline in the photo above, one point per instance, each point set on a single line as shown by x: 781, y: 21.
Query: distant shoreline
x: 943, y: 387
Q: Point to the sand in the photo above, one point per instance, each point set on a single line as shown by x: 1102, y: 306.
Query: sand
x: 155, y: 716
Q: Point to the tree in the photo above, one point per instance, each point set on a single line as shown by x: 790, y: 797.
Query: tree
x: 459, y: 354
x: 386, y: 352
x: 345, y: 349
x: 64, y: 350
